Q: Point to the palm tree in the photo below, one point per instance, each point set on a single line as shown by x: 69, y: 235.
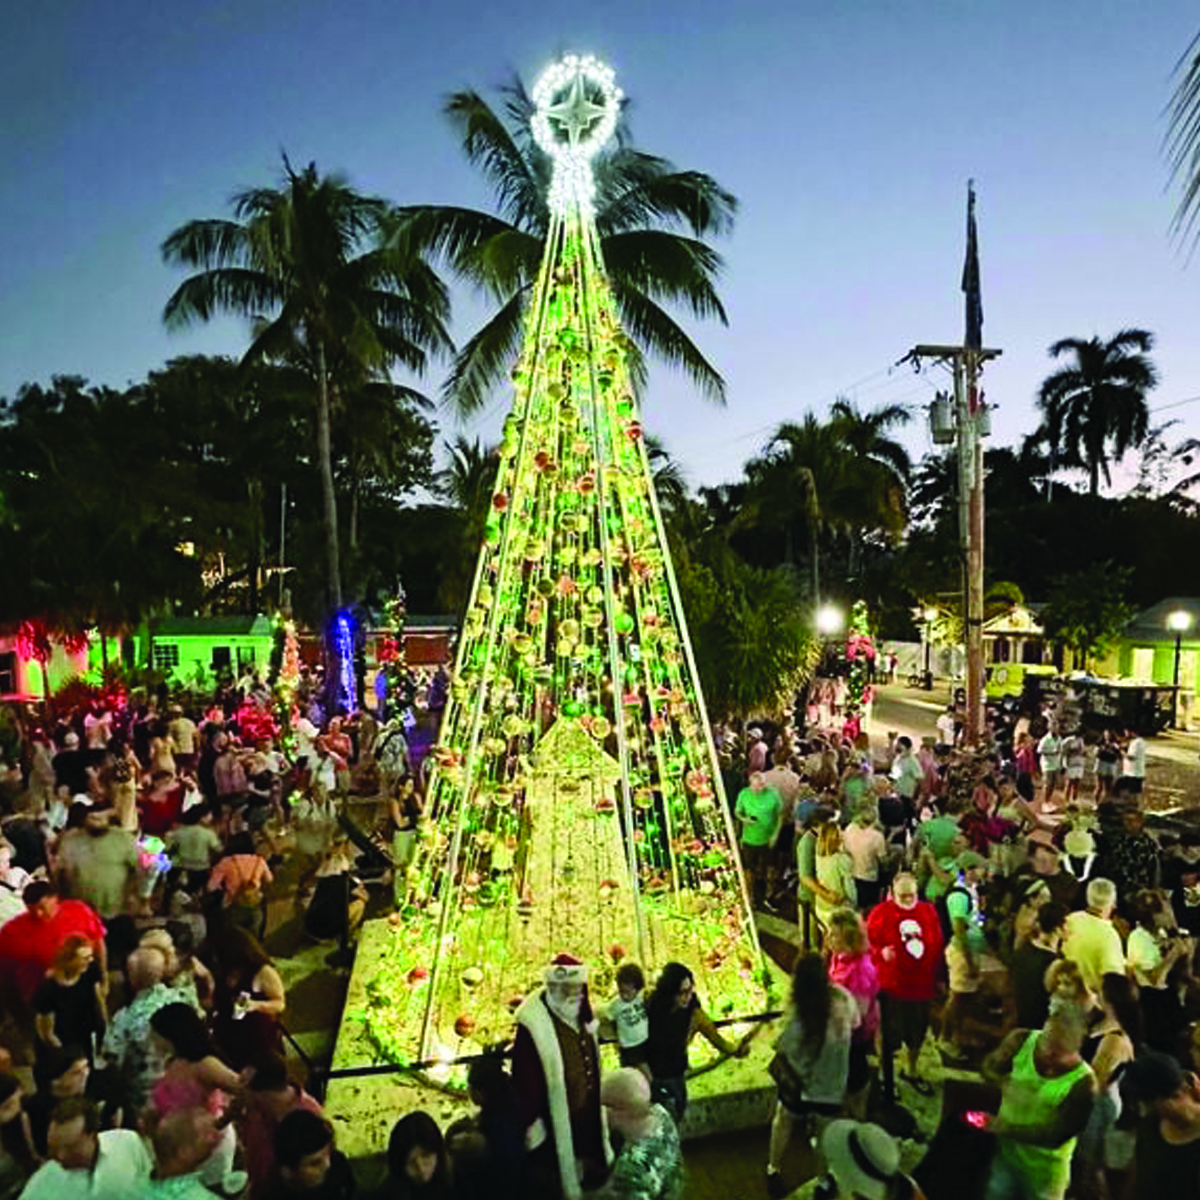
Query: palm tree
x: 867, y: 434
x: 670, y: 483
x: 1099, y: 401
x: 306, y: 264
x: 838, y: 477
x: 642, y: 205
x: 467, y: 482
x: 1183, y: 142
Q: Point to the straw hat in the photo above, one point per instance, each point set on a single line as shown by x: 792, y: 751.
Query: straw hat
x: 863, y: 1158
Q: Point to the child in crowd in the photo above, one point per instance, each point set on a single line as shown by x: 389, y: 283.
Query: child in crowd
x: 627, y: 1014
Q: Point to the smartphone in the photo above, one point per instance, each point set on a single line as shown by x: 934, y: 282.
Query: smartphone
x: 977, y: 1119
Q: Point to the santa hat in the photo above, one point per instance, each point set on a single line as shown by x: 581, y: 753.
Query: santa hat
x: 566, y: 968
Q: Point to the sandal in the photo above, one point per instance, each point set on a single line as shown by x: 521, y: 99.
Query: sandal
x: 921, y: 1086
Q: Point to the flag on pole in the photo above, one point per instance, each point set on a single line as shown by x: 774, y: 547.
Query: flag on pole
x: 970, y: 277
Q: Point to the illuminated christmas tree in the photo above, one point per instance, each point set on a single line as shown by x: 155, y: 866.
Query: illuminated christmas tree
x: 860, y: 654
x: 288, y: 681
x: 576, y: 802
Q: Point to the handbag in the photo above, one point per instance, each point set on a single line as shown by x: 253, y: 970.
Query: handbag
x: 788, y: 1081
x: 248, y: 891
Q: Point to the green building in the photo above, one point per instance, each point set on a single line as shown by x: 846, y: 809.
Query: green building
x: 196, y: 651
x: 1146, y: 650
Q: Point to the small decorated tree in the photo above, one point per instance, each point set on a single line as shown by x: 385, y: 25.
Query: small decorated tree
x: 393, y: 693
x: 860, y: 654
x: 289, y: 669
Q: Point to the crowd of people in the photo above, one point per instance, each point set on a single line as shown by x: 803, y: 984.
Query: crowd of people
x: 999, y: 911
x: 139, y: 846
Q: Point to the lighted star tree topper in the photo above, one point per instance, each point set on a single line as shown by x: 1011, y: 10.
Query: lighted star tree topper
x: 576, y: 800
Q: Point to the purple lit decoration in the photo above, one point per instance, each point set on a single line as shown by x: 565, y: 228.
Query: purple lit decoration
x: 343, y: 647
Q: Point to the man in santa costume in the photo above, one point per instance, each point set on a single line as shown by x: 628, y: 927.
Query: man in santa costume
x: 556, y: 1075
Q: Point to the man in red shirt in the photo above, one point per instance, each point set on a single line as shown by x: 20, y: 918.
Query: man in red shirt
x: 906, y: 941
x: 29, y: 942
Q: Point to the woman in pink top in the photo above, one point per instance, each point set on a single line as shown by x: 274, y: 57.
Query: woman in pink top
x: 241, y: 878
x: 196, y: 1078
x: 851, y: 966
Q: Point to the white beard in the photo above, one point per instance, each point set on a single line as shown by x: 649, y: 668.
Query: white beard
x: 566, y: 1010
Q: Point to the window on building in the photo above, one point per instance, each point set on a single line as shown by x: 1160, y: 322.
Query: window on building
x: 221, y: 658
x: 245, y: 657
x: 8, y: 672
x: 166, y: 656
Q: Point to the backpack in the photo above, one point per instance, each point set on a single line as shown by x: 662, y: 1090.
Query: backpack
x: 943, y: 910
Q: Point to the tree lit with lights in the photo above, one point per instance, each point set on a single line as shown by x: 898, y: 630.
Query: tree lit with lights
x: 576, y: 802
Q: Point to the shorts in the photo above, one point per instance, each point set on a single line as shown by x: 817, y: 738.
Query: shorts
x: 633, y: 1056
x: 1074, y: 772
x: 812, y: 1108
x: 1132, y: 784
x: 907, y: 1021
x: 860, y: 1069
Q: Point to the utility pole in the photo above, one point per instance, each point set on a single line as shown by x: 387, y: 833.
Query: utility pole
x: 968, y: 423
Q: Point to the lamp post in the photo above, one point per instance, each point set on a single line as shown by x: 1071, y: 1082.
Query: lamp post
x: 930, y: 615
x: 1178, y: 622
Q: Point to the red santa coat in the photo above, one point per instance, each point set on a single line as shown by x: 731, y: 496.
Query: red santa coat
x: 541, y: 1092
x: 915, y: 934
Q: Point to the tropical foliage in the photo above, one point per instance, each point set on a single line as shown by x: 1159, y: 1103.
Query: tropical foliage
x: 1088, y: 609
x: 167, y: 496
x: 750, y: 633
x: 1183, y: 143
x: 1095, y: 408
x: 306, y: 265
x: 842, y: 480
x: 654, y: 221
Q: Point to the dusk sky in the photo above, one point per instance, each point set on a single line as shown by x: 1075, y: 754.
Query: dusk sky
x: 847, y: 129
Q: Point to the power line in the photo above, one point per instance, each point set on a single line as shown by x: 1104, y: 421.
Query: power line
x: 1175, y: 404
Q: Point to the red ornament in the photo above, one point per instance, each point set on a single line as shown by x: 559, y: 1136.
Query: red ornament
x: 417, y: 975
x: 500, y: 501
x: 616, y: 952
x: 464, y: 1026
x: 633, y: 430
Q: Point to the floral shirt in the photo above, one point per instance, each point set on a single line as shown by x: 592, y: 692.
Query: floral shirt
x: 129, y: 1044
x: 650, y: 1168
x: 178, y: 1187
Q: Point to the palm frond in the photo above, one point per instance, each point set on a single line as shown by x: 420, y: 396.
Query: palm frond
x: 447, y: 234
x: 485, y: 359
x: 640, y: 189
x: 489, y: 145
x: 207, y: 244
x: 231, y: 289
x: 275, y: 341
x: 651, y: 326
x: 407, y: 318
x: 666, y: 266
x: 503, y: 263
x: 1182, y: 144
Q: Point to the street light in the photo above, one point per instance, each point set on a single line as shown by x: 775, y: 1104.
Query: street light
x: 930, y: 615
x: 1179, y: 622
x: 830, y: 620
